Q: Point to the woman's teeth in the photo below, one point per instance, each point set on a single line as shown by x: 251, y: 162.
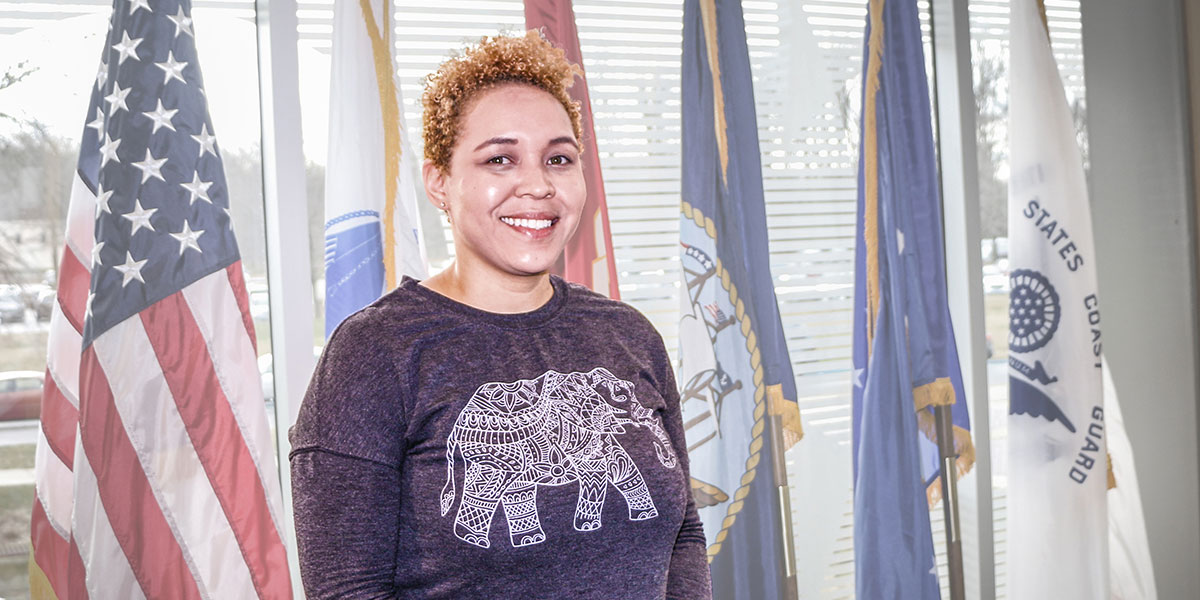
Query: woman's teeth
x: 528, y: 223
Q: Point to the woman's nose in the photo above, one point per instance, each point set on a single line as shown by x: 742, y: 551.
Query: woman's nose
x: 535, y: 181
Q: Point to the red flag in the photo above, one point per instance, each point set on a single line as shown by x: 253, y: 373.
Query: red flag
x: 589, y: 255
x: 155, y: 467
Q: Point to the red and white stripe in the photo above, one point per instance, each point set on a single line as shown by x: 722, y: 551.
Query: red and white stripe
x: 169, y: 489
x: 54, y: 460
x: 108, y: 574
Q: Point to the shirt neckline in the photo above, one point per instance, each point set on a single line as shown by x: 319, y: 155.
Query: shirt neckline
x: 524, y: 320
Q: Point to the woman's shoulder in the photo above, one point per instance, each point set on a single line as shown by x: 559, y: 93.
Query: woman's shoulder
x: 593, y: 306
x: 354, y: 405
x: 385, y: 331
x: 398, y: 311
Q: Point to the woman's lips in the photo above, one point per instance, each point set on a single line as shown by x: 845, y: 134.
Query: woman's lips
x: 529, y: 223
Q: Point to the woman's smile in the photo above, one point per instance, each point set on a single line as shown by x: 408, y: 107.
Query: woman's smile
x: 533, y: 225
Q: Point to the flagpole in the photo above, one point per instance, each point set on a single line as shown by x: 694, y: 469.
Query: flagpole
x: 944, y: 427
x: 949, y: 478
x: 779, y: 464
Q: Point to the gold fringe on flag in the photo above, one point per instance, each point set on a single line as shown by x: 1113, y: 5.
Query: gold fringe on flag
x: 871, y: 167
x: 1042, y: 13
x: 963, y: 447
x: 939, y: 392
x: 1112, y: 479
x: 708, y: 15
x: 39, y: 584
x: 789, y: 415
x: 390, y: 110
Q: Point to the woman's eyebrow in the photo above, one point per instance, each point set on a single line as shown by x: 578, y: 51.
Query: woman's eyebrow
x: 507, y: 141
x: 497, y: 140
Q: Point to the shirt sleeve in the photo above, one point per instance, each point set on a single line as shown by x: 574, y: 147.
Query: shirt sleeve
x: 354, y: 405
x: 347, y: 514
x: 688, y: 577
x: 347, y: 451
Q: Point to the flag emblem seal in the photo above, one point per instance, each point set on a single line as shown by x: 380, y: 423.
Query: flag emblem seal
x: 1034, y: 311
x: 721, y: 399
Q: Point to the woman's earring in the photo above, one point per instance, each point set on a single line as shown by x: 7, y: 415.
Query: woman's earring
x: 445, y: 211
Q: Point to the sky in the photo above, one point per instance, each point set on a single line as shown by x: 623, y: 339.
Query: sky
x: 66, y: 54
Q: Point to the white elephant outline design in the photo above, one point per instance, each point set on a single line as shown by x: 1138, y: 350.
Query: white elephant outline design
x: 552, y: 430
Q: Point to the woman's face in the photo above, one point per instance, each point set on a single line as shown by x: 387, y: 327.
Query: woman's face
x: 515, y: 188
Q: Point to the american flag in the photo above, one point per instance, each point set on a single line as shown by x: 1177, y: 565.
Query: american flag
x: 155, y: 469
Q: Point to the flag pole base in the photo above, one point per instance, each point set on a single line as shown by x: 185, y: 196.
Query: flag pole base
x: 775, y: 425
x: 949, y: 478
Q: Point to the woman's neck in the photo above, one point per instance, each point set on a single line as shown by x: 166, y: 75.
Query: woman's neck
x: 493, y: 292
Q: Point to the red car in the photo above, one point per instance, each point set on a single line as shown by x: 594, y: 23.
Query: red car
x: 20, y: 395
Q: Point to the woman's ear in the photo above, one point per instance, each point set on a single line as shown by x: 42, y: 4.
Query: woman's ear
x: 435, y: 184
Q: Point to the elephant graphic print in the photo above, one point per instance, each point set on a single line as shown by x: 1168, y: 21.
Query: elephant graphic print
x: 554, y: 430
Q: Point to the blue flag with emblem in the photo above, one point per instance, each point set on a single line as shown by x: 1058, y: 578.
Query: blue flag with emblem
x: 737, y: 389
x: 372, y: 234
x: 905, y: 360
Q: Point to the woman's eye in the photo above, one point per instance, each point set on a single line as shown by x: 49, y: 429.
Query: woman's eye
x: 498, y: 160
x: 559, y: 160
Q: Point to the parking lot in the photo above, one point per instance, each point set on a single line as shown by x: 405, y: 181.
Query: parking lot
x: 23, y: 344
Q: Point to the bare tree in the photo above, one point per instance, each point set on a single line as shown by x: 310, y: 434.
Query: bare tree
x: 35, y: 185
x: 991, y: 142
x: 12, y: 77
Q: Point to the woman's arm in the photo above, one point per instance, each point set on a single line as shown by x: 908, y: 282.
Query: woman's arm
x: 347, y: 516
x: 347, y: 451
x: 688, y: 577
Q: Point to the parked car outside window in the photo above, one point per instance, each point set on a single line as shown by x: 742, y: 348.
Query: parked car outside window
x: 43, y: 304
x: 12, y: 309
x: 20, y: 395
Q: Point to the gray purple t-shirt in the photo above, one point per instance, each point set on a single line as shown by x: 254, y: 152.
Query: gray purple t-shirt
x: 446, y: 452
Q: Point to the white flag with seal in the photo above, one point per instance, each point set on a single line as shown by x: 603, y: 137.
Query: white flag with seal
x: 372, y: 230
x: 1057, y: 514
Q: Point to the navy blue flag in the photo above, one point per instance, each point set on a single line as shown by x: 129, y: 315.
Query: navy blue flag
x: 737, y: 387
x: 905, y: 360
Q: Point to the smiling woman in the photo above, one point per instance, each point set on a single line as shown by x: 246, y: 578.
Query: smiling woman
x: 545, y: 392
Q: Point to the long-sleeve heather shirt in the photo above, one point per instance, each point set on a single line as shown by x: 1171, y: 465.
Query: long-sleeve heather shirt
x: 446, y: 452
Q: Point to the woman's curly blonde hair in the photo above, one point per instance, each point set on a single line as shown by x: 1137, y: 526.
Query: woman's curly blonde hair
x: 529, y: 60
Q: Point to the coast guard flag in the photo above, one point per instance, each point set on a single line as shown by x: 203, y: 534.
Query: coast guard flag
x: 372, y: 236
x: 1131, y: 571
x: 1057, y: 513
x: 588, y: 257
x: 736, y: 381
x: 155, y: 468
x: 905, y: 360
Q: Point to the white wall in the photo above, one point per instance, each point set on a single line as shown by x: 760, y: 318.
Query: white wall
x: 1142, y: 191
